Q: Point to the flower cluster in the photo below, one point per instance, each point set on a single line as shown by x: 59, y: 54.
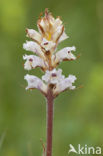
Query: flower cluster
x: 44, y: 46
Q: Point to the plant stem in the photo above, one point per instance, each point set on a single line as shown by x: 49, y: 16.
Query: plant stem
x: 50, y: 100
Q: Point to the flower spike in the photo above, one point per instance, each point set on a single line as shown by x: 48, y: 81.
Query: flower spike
x: 43, y: 45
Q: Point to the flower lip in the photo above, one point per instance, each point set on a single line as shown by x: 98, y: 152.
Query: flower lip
x: 54, y: 74
x: 31, y: 60
x: 35, y: 82
x: 46, y: 43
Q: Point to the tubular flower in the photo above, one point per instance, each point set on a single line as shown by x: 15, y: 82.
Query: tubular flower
x: 44, y: 44
x: 33, y: 61
x: 35, y: 82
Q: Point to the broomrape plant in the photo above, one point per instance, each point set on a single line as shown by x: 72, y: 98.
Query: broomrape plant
x: 44, y: 44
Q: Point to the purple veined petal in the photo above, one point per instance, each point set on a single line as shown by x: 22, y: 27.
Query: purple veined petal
x: 34, y: 47
x: 53, y: 77
x: 71, y: 78
x: 35, y: 82
x: 33, y: 61
x: 47, y: 45
x: 65, y: 54
x: 65, y: 84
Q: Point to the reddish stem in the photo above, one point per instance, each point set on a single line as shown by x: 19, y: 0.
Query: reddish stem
x: 50, y: 99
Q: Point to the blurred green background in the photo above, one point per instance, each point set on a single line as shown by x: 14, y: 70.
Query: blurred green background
x: 78, y: 115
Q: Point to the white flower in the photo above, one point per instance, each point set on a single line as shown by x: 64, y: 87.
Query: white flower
x: 63, y: 37
x: 36, y: 36
x: 61, y: 83
x: 43, y: 26
x: 56, y: 23
x: 33, y: 62
x: 44, y: 45
x: 66, y: 83
x: 64, y: 54
x: 58, y: 32
x: 34, y: 47
x: 35, y: 82
x: 53, y: 77
x: 47, y: 45
x: 51, y: 29
x: 58, y: 28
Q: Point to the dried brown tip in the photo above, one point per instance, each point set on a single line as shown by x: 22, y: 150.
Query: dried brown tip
x: 60, y: 34
x: 59, y: 17
x: 81, y: 86
x: 44, y: 149
x: 31, y: 89
x: 41, y: 14
x: 46, y: 12
x: 41, y: 28
x: 26, y: 30
x: 78, y: 56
